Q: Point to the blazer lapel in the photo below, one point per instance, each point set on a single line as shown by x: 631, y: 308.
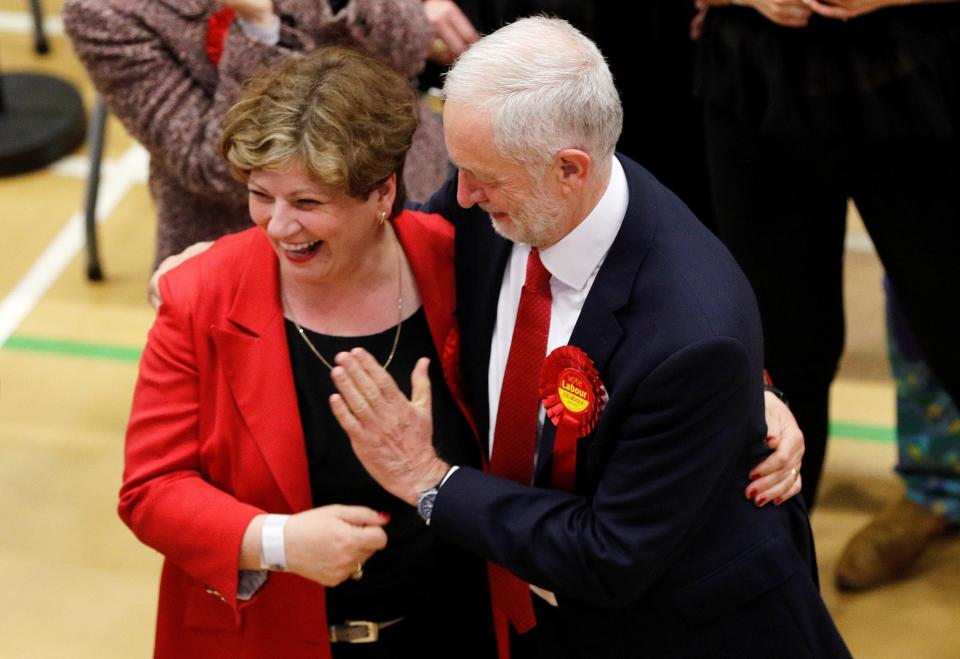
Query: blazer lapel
x: 598, y: 330
x: 489, y: 254
x: 256, y: 363
x: 427, y: 241
x: 597, y: 333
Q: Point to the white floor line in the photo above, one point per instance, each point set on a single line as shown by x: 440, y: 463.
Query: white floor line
x: 117, y: 179
x: 21, y: 22
x: 133, y: 163
x: 858, y: 242
x: 73, y: 166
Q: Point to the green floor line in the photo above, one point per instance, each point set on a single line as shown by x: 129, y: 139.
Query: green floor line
x: 838, y: 429
x: 862, y: 432
x: 74, y: 348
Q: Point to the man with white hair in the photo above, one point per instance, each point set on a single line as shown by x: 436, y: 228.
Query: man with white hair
x: 612, y: 355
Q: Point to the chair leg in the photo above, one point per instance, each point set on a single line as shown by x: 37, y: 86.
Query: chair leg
x: 98, y: 124
x: 40, y: 43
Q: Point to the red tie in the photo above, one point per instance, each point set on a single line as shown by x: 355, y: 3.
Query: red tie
x: 515, y: 436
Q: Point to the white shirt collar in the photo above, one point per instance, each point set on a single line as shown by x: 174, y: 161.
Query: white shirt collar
x: 579, y: 254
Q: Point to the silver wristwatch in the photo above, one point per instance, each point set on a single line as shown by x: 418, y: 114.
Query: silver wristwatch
x: 425, y: 503
x: 427, y: 498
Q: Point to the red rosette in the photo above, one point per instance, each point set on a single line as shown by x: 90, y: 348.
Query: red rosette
x: 573, y: 397
x: 217, y: 26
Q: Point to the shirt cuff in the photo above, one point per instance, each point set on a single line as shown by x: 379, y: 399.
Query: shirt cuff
x: 266, y: 34
x: 447, y: 476
x: 250, y: 582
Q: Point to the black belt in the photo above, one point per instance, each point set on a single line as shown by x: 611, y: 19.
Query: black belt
x: 359, y: 631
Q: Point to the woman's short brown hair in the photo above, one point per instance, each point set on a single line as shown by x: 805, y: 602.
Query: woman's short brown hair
x: 346, y: 117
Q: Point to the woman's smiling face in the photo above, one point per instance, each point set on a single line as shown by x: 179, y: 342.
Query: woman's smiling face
x: 319, y: 233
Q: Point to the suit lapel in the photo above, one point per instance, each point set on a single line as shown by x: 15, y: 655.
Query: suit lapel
x: 481, y: 259
x: 256, y: 363
x: 598, y: 330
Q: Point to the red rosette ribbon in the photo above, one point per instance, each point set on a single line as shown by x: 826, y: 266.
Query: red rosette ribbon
x: 217, y: 26
x: 573, y: 397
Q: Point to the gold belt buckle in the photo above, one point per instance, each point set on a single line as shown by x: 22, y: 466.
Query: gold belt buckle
x: 359, y: 631
x: 355, y: 631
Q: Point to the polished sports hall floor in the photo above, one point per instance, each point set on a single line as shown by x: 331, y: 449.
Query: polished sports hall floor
x: 75, y: 582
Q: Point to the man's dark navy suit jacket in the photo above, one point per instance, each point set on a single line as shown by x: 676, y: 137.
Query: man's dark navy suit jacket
x: 657, y: 553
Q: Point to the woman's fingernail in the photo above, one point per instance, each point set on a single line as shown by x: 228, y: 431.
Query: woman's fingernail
x: 384, y: 516
x: 777, y: 501
x: 761, y: 500
x: 751, y: 493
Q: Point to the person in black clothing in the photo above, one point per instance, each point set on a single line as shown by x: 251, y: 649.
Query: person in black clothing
x: 804, y: 110
x: 651, y: 56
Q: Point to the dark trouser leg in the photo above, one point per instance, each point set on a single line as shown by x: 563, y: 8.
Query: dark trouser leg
x: 781, y: 208
x: 548, y: 640
x: 908, y: 198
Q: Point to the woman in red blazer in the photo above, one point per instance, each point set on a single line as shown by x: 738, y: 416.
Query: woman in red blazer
x: 274, y: 536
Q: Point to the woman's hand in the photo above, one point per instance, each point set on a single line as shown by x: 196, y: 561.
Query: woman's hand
x: 844, y: 9
x: 789, y: 13
x: 454, y: 31
x: 258, y: 13
x: 778, y: 477
x: 327, y: 544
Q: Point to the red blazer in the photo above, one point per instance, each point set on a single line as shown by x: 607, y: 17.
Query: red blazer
x: 215, y: 438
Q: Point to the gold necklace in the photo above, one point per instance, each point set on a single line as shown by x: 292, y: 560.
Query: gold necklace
x: 396, y: 336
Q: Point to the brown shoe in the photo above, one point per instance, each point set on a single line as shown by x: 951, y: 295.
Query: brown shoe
x: 888, y: 545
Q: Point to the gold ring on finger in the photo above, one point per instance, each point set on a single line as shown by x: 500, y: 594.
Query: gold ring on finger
x: 438, y: 47
x: 358, y: 573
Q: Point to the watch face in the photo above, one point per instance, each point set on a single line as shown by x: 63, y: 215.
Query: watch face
x: 425, y: 503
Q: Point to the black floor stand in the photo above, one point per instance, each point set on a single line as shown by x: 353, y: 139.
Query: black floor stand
x: 41, y: 120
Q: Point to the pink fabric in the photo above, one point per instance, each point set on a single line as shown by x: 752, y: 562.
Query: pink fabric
x: 149, y: 63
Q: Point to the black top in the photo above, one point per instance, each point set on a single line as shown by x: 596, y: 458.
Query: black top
x: 411, y: 570
x: 893, y: 73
